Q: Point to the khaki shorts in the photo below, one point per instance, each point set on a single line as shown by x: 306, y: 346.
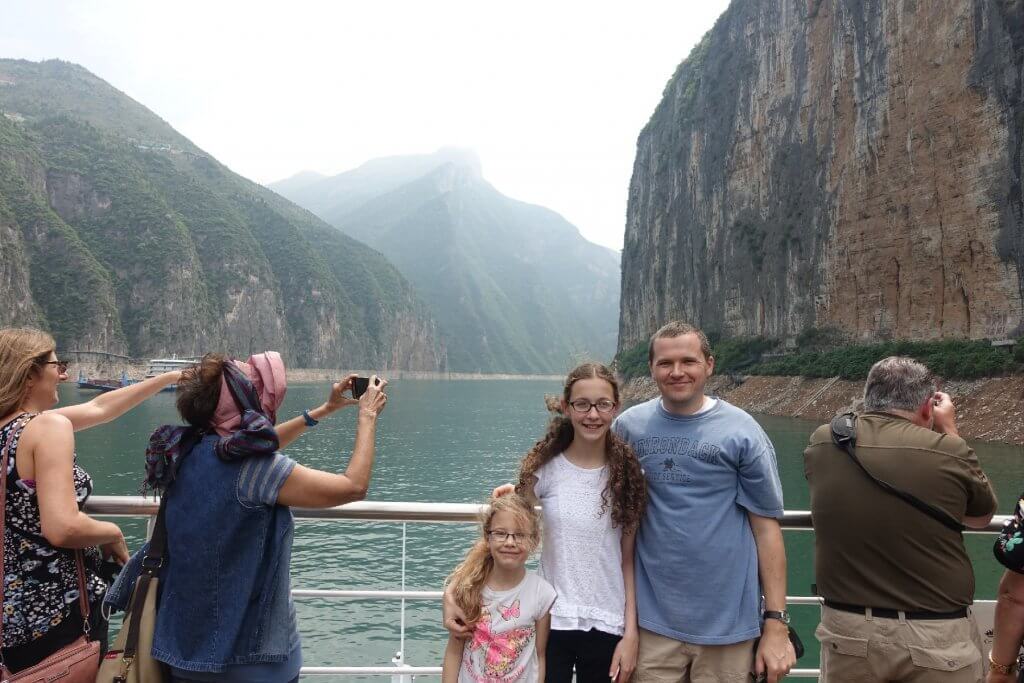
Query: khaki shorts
x: 856, y: 647
x: 666, y: 660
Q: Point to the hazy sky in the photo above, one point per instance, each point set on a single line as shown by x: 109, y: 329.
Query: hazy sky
x: 550, y: 94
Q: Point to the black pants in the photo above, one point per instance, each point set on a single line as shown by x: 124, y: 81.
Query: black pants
x: 589, y: 652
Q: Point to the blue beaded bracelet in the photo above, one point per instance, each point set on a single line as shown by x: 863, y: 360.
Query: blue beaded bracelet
x: 310, y: 422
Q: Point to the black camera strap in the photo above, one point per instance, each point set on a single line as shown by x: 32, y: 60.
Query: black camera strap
x: 844, y: 435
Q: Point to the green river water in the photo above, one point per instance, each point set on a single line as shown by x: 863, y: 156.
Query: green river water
x: 446, y: 441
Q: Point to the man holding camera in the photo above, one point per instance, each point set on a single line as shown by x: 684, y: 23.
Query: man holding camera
x: 888, y: 509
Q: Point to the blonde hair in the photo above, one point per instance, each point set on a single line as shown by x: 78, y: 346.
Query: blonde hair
x: 469, y: 578
x: 21, y: 351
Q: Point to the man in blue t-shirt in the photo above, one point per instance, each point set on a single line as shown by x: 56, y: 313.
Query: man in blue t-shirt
x: 710, y: 543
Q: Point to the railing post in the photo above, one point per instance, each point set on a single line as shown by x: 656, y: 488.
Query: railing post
x: 399, y: 658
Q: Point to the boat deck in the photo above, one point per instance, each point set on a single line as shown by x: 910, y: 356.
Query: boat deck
x: 466, y: 513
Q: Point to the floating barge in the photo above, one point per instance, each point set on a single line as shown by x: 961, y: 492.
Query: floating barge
x: 100, y: 384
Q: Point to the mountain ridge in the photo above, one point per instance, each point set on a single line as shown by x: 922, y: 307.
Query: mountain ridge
x: 490, y: 266
x: 168, y: 251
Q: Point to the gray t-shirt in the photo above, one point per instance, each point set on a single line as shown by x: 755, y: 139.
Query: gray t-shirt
x: 696, y: 561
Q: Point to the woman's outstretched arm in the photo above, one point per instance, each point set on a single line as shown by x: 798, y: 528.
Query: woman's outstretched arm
x: 311, y: 488
x: 113, y: 404
x: 295, y: 427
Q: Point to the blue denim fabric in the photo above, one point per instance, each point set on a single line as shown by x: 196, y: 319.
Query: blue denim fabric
x: 225, y: 588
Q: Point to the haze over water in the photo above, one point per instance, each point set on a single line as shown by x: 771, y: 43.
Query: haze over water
x: 446, y: 441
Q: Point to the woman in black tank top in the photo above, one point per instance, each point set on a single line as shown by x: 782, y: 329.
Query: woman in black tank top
x: 45, y: 491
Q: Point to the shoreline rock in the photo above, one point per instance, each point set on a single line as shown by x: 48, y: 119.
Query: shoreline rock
x: 990, y: 409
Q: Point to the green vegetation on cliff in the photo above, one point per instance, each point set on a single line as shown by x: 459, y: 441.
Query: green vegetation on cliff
x: 950, y: 359
x: 139, y: 242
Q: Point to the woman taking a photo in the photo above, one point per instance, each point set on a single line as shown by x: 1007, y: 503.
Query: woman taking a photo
x: 45, y: 491
x: 226, y: 498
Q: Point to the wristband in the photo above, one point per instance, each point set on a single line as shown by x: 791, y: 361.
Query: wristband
x: 310, y: 422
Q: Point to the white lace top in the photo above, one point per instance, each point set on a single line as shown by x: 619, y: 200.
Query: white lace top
x: 581, y: 555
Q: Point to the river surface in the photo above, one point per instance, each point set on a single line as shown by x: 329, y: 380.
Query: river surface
x: 446, y: 441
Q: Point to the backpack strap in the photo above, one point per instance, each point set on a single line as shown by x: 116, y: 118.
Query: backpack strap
x: 844, y: 436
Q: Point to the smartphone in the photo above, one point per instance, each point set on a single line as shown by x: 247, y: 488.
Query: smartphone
x: 359, y: 386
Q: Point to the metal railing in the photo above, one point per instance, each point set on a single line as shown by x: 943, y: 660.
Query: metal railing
x: 380, y: 511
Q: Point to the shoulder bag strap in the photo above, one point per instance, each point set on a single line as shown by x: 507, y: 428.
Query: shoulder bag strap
x: 844, y: 435
x: 152, y: 562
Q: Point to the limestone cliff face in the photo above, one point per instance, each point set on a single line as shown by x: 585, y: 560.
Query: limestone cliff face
x: 845, y: 163
x: 14, y: 276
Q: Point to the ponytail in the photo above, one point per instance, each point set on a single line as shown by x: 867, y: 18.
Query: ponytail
x: 468, y: 580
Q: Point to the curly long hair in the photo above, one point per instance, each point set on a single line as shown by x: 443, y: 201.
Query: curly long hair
x: 467, y: 581
x: 626, y: 491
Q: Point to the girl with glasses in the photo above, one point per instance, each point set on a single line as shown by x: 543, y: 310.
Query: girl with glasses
x: 506, y: 606
x: 592, y: 491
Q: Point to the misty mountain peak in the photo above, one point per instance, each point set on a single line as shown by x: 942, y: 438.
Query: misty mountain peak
x: 461, y: 157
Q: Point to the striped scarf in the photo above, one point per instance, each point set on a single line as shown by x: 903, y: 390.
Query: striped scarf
x: 169, y: 444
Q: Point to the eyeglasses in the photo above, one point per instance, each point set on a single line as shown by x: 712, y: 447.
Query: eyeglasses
x: 62, y: 365
x: 583, y: 406
x: 502, y: 536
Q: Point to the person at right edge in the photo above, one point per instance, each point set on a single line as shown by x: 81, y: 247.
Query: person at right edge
x: 896, y: 582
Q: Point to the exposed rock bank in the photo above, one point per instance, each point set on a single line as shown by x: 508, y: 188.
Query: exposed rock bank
x: 987, y: 409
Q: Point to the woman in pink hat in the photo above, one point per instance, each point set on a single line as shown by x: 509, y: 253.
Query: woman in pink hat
x: 225, y: 591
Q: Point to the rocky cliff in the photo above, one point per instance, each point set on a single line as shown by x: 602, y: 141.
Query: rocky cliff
x: 118, y: 234
x: 853, y: 164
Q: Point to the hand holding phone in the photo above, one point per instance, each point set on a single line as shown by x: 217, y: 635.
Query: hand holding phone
x: 359, y: 386
x: 371, y: 394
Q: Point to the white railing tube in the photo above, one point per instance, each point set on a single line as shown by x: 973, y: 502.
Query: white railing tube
x: 387, y: 511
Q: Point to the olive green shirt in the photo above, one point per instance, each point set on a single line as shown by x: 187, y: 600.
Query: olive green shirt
x: 876, y: 550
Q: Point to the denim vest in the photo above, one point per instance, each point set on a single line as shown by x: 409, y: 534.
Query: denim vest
x: 225, y: 589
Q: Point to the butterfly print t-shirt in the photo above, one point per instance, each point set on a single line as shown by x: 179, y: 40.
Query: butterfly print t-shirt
x: 503, y: 646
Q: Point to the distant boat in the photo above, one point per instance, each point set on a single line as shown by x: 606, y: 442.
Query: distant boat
x: 158, y: 366
x: 101, y: 384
